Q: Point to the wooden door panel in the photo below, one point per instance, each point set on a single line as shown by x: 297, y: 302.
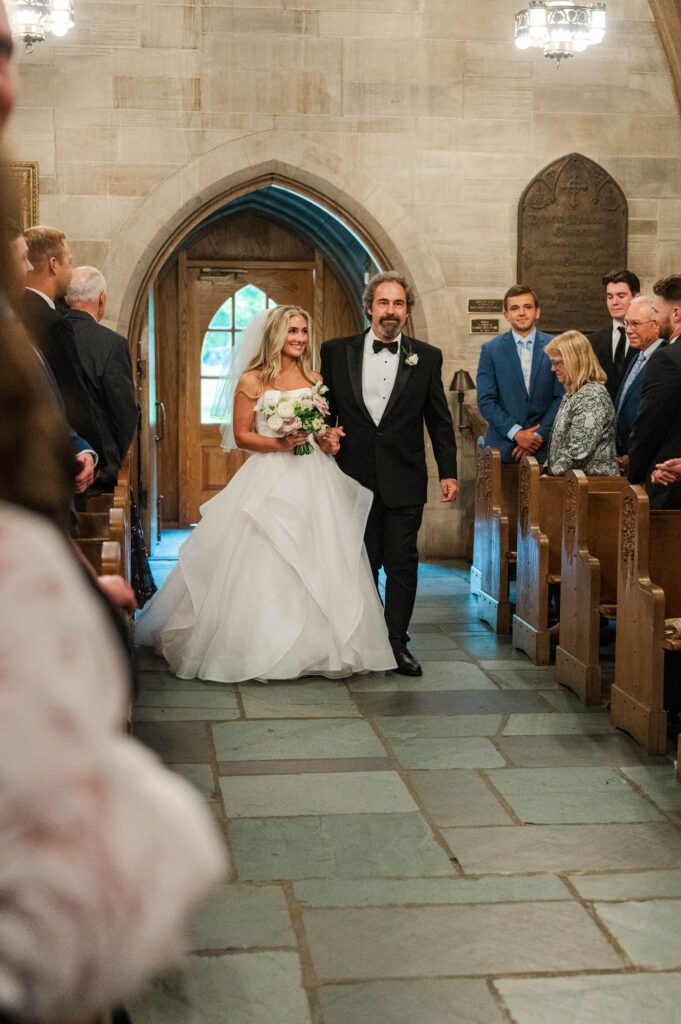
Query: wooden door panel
x: 205, y: 468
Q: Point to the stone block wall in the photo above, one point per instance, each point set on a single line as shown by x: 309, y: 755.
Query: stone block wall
x: 420, y: 117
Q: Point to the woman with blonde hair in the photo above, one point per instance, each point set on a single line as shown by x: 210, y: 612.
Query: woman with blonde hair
x: 583, y: 435
x: 274, y: 582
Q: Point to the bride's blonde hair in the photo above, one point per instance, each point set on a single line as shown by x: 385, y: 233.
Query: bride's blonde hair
x: 268, y: 360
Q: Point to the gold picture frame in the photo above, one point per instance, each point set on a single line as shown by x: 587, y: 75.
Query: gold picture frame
x: 23, y: 188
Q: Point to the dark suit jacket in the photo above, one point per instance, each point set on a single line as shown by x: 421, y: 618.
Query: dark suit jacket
x: 656, y: 433
x: 105, y: 358
x: 53, y: 337
x: 503, y: 398
x: 390, y: 458
x: 601, y: 343
x: 629, y: 411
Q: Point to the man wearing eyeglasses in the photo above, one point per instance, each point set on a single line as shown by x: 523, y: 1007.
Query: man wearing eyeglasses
x: 642, y: 334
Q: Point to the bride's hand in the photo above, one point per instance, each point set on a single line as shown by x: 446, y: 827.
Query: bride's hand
x: 291, y: 441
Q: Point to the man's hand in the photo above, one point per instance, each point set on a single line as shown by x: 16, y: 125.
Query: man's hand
x: 450, y: 489
x: 668, y: 472
x: 528, y: 439
x: 623, y: 461
x: 519, y: 451
x: 119, y: 592
x: 86, y: 475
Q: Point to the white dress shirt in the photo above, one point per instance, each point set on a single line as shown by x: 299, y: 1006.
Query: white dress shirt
x: 48, y: 300
x: 524, y: 348
x: 379, y: 370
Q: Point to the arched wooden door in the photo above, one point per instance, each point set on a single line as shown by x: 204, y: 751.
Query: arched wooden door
x: 219, y: 301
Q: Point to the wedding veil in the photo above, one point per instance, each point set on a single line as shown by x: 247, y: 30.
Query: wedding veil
x: 246, y: 348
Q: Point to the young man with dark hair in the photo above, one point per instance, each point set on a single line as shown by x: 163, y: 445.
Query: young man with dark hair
x: 610, y: 344
x: 517, y: 393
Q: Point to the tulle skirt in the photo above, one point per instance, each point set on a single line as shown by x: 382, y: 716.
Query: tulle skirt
x: 274, y: 582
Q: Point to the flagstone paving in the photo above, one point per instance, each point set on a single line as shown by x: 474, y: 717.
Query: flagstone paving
x: 471, y: 847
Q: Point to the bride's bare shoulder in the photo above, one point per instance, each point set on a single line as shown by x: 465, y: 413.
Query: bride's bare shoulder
x: 316, y: 377
x: 250, y: 384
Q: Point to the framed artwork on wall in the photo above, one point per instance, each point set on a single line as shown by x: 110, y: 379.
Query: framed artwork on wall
x: 23, y: 187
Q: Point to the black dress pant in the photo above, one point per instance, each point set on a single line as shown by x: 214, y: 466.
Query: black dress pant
x: 390, y: 539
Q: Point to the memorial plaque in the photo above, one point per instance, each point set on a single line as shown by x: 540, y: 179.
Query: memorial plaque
x: 572, y: 229
x: 485, y: 305
x: 484, y: 326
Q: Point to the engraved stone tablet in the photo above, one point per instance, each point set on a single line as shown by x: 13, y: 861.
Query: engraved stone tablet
x: 572, y: 229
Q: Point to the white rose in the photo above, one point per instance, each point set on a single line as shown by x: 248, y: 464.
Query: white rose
x: 275, y: 422
x: 286, y: 410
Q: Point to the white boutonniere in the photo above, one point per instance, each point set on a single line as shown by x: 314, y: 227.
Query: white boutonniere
x: 410, y: 357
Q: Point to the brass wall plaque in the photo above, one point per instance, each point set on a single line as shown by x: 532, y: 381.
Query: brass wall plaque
x: 23, y: 191
x: 485, y: 305
x: 572, y: 229
x: 484, y: 326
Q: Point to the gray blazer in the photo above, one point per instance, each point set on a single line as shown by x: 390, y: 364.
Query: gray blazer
x: 583, y: 435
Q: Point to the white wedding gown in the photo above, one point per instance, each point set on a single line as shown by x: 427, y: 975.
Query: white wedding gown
x: 274, y: 582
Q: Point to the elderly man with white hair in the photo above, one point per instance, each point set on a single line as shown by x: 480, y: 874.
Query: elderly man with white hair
x: 643, y: 338
x: 105, y: 358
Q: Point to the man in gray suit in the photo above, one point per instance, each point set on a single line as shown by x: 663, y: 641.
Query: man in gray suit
x: 105, y: 359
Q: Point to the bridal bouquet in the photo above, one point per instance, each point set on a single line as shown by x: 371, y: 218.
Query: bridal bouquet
x: 305, y: 412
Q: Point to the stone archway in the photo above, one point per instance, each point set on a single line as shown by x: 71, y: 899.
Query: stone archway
x: 168, y: 213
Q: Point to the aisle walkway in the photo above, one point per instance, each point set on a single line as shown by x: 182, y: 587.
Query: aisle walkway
x: 473, y: 847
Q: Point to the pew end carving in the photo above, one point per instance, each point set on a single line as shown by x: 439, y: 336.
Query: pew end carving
x: 588, y: 573
x: 648, y: 592
x: 496, y: 513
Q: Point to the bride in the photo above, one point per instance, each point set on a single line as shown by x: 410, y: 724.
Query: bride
x: 274, y: 582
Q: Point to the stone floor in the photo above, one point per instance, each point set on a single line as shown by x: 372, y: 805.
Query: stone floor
x: 472, y: 847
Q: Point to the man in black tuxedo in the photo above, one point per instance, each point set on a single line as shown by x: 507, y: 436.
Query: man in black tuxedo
x: 105, y: 358
x: 383, y: 387
x: 611, y: 344
x: 50, y: 258
x: 655, y: 439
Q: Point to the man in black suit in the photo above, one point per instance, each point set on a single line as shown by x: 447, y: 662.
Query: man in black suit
x: 611, y: 344
x: 105, y: 358
x: 655, y: 438
x: 383, y: 387
x: 50, y: 258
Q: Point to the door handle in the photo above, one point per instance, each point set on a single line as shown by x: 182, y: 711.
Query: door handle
x: 160, y: 407
x: 159, y: 517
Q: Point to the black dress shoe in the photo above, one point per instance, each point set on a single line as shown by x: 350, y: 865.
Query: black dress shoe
x: 407, y: 665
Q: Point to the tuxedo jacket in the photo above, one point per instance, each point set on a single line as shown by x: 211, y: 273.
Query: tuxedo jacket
x: 629, y: 410
x: 503, y: 398
x: 53, y: 337
x: 105, y: 359
x: 601, y: 343
x: 390, y: 458
x: 656, y: 433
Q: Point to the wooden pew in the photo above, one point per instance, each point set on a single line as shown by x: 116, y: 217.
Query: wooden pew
x: 105, y: 556
x: 588, y: 578
x: 648, y: 592
x: 496, y: 512
x: 538, y: 550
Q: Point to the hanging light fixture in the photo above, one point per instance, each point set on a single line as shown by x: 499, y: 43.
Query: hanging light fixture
x: 34, y: 19
x: 560, y: 27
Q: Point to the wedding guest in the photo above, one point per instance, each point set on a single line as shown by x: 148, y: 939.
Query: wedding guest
x: 611, y: 344
x: 583, y: 434
x: 517, y: 394
x: 50, y: 257
x: 105, y: 358
x: 643, y: 338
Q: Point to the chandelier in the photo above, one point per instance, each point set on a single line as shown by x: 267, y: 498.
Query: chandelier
x: 560, y: 27
x: 33, y: 19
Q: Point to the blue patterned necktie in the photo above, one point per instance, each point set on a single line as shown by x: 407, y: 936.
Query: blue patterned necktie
x: 635, y: 370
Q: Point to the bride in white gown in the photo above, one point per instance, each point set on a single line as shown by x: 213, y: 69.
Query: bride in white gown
x: 274, y: 582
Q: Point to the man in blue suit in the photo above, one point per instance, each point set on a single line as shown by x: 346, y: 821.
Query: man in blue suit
x: 517, y: 393
x: 643, y: 338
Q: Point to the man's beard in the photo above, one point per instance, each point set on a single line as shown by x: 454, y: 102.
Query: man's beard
x: 390, y: 328
x: 664, y: 331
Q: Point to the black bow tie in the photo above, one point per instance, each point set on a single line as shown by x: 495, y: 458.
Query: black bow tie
x: 381, y: 346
